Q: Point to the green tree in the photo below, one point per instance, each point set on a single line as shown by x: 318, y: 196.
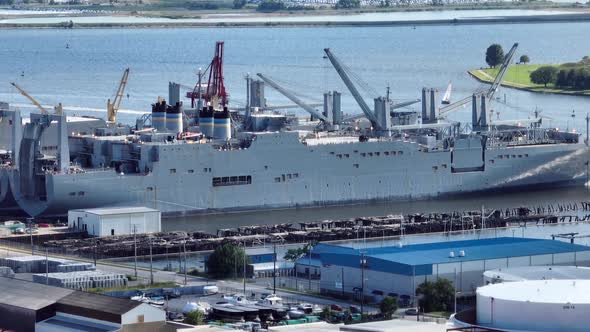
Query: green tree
x: 348, y: 4
x: 561, y: 80
x: 524, y: 59
x: 195, y: 317
x: 436, y: 296
x: 388, y: 306
x: 270, y: 5
x: 494, y: 55
x: 295, y: 254
x: 226, y: 260
x: 239, y: 4
x: 544, y: 75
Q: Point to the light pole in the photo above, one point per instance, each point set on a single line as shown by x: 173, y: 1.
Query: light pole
x: 274, y: 269
x: 151, y: 263
x: 185, y: 276
x: 135, y: 249
x: 363, y: 262
x: 30, y: 222
x: 244, y: 268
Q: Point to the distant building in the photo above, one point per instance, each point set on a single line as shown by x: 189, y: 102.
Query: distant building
x: 116, y: 220
x: 397, y: 271
x: 27, y: 306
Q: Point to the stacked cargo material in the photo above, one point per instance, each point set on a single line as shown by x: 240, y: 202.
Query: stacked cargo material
x: 206, y: 121
x: 159, y: 115
x: 174, y: 118
x: 36, y: 264
x: 82, y: 279
x: 222, y: 125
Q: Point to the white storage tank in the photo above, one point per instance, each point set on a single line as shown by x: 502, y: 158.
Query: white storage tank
x: 537, y: 305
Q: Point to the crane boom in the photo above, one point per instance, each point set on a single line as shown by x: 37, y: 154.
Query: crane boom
x: 31, y: 99
x: 294, y: 98
x: 113, y: 107
x: 501, y: 72
x: 350, y: 85
x: 393, y: 107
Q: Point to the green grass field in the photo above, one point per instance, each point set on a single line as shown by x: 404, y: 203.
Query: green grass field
x: 518, y: 76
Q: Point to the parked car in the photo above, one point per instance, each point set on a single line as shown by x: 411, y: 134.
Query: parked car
x: 43, y: 225
x: 411, y: 311
x: 354, y: 309
x: 32, y: 231
x: 19, y: 231
x: 336, y: 307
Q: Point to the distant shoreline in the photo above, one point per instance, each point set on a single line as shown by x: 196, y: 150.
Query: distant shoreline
x: 545, y: 90
x: 528, y: 19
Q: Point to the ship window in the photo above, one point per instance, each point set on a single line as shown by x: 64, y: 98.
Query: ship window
x: 355, y: 165
x: 191, y: 170
x: 526, y: 155
x: 283, y: 177
x: 288, y: 176
x: 363, y: 154
x: 347, y: 155
x: 513, y: 156
x: 277, y: 179
x: 296, y: 175
x: 393, y: 153
x: 265, y: 167
x: 444, y: 165
x: 73, y: 193
x: 386, y: 153
x: 331, y: 152
x: 377, y: 153
x: 112, y: 232
x: 519, y: 156
x: 370, y: 154
x: 81, y: 193
x: 434, y: 168
x: 356, y: 151
x: 232, y: 180
x: 149, y: 188
x: 491, y: 161
x: 173, y: 171
x: 339, y: 156
x: 500, y: 156
x: 400, y: 152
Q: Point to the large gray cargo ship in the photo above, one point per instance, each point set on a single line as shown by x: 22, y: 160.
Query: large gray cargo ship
x: 207, y: 159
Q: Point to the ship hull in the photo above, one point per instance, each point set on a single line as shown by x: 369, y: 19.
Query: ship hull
x: 281, y: 172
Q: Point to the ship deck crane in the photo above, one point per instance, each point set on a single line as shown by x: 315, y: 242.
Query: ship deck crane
x: 294, y: 98
x: 30, y: 98
x: 113, y: 107
x: 489, y: 93
x: 351, y: 87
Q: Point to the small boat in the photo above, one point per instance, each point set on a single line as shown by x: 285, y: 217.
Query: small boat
x: 295, y: 313
x: 446, y: 99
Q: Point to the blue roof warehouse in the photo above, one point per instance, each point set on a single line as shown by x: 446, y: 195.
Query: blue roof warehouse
x: 397, y: 271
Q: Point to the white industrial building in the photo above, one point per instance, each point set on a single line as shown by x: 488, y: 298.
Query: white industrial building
x: 116, y: 221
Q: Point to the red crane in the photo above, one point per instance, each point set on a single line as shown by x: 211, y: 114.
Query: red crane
x: 215, y: 89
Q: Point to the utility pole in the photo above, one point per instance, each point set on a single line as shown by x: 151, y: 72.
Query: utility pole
x: 95, y: 245
x: 309, y: 263
x: 30, y: 222
x: 135, y: 248
x: 46, y: 266
x: 274, y: 269
x: 244, y: 269
x: 363, y: 262
x: 151, y: 263
x: 185, y: 276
